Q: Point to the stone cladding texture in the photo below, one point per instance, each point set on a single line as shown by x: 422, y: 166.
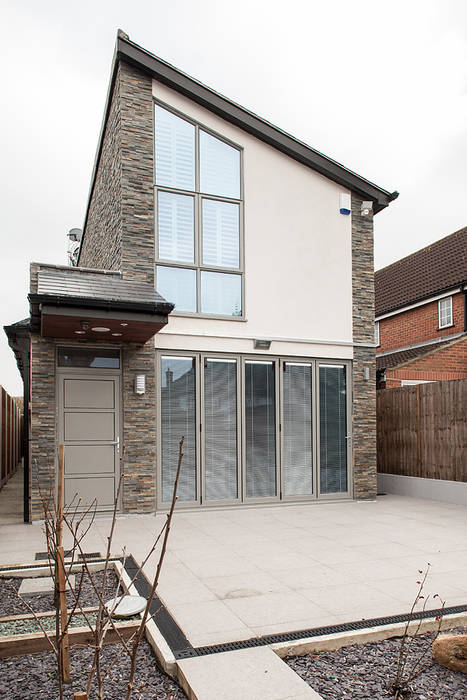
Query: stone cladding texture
x: 42, y: 407
x: 139, y: 429
x: 101, y: 246
x: 364, y: 391
x: 137, y: 174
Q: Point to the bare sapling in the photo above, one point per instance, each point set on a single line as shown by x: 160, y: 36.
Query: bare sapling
x: 409, y: 667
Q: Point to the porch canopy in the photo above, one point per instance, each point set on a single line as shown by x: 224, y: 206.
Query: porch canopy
x: 95, y: 305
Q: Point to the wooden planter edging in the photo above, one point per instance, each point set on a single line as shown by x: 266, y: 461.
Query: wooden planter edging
x: 21, y: 644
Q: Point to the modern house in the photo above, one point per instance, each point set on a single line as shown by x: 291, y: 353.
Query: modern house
x: 224, y: 291
x: 421, y: 315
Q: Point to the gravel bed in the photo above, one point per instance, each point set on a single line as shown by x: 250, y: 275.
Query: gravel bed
x: 34, y: 676
x: 367, y: 671
x: 10, y: 604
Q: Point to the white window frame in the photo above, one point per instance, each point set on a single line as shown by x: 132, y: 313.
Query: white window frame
x: 199, y: 196
x: 445, y: 310
x: 377, y: 338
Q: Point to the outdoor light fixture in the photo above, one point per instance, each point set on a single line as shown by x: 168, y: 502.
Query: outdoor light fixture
x: 262, y: 344
x: 366, y: 373
x: 366, y: 209
x: 140, y: 384
x: 80, y: 332
x: 116, y: 334
x: 100, y: 329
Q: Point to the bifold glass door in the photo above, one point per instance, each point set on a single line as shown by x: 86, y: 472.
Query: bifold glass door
x: 220, y: 429
x: 255, y: 430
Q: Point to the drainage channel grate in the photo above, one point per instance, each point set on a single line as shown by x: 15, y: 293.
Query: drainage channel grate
x: 86, y: 555
x: 321, y: 631
x: 173, y: 635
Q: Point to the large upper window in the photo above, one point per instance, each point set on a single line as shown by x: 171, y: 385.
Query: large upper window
x: 198, y: 218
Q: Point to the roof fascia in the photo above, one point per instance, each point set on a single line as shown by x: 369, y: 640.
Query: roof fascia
x: 109, y: 304
x: 249, y: 122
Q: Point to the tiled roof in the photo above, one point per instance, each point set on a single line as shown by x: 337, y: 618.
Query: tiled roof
x: 438, y: 267
x: 96, y: 286
x: 399, y: 357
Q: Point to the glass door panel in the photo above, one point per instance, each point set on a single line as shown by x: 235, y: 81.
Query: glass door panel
x: 333, y: 429
x: 178, y: 418
x: 260, y: 429
x: 297, y: 422
x: 220, y: 430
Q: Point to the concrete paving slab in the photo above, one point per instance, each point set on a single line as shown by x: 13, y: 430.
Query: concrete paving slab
x: 42, y: 584
x: 249, y: 674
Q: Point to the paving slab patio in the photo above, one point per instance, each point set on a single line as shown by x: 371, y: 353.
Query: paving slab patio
x: 238, y: 573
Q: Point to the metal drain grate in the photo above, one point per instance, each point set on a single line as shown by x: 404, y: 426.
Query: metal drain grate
x: 88, y: 555
x: 321, y: 631
x: 173, y: 635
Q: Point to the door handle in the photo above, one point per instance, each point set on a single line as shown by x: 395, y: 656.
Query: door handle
x: 116, y: 442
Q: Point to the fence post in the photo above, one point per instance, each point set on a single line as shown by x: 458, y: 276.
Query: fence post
x: 419, y: 434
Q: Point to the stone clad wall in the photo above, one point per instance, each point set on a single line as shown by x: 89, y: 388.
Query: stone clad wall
x: 43, y: 438
x: 101, y: 246
x: 139, y: 430
x: 137, y: 174
x: 364, y: 391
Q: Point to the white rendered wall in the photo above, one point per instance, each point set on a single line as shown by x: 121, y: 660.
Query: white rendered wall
x: 416, y: 487
x: 298, y: 267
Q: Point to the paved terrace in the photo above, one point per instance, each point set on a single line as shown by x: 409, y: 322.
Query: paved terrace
x: 244, y: 572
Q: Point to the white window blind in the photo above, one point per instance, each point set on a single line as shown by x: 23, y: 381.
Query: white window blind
x: 333, y: 428
x: 175, y: 151
x: 178, y: 418
x: 260, y: 429
x: 297, y: 430
x: 220, y: 425
x: 175, y: 225
x: 178, y: 286
x: 221, y: 294
x: 221, y: 233
x: 219, y: 167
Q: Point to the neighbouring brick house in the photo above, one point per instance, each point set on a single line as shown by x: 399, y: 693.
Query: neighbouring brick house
x: 258, y: 344
x: 421, y: 315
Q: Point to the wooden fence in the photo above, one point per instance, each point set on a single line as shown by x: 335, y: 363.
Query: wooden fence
x: 422, y: 430
x: 11, y: 430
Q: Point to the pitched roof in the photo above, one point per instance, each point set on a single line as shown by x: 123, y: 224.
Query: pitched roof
x: 402, y: 357
x: 126, y: 50
x: 434, y: 269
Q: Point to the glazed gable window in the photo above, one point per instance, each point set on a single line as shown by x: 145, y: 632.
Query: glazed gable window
x: 199, y: 228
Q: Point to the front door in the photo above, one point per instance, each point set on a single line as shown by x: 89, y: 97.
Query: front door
x: 89, y: 427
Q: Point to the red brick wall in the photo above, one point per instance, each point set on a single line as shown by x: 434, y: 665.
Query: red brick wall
x: 419, y: 324
x: 448, y: 363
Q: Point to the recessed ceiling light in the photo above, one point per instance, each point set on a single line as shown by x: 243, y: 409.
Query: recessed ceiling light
x: 117, y: 334
x: 124, y: 324
x: 80, y: 332
x: 100, y: 329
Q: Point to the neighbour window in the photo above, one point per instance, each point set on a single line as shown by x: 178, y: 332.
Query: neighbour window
x: 198, y: 218
x: 445, y: 312
x: 377, y: 342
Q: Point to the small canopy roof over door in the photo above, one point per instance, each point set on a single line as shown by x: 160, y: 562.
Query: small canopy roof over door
x: 85, y: 304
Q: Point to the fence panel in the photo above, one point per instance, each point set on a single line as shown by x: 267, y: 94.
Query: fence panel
x: 422, y: 430
x: 11, y: 426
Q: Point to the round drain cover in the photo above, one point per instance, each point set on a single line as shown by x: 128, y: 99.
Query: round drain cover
x: 126, y: 605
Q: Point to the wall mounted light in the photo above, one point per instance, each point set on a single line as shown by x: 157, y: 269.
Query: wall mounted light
x: 366, y: 373
x: 366, y: 208
x: 262, y: 344
x: 140, y: 384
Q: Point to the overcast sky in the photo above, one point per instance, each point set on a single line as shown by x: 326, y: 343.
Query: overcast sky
x: 381, y: 87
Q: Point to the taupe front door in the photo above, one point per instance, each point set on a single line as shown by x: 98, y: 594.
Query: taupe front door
x: 89, y: 427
